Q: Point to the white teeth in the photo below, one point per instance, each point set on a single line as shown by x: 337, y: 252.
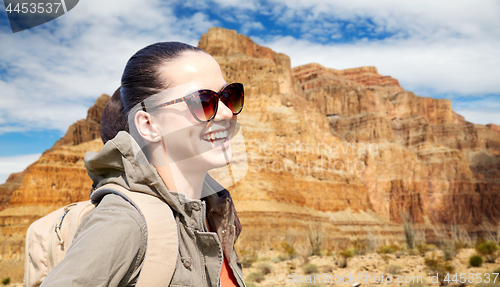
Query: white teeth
x: 215, y: 136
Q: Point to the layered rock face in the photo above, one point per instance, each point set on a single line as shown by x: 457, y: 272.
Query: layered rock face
x: 494, y: 127
x: 346, y: 151
x: 433, y: 163
x: 12, y: 183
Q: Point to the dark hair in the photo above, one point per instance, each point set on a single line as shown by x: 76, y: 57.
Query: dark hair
x: 140, y: 80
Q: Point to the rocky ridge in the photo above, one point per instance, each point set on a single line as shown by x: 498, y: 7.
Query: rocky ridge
x: 445, y: 168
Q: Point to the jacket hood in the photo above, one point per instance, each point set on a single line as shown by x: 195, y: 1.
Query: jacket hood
x: 121, y: 161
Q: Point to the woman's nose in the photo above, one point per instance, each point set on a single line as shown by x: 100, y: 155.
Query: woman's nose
x: 223, y: 112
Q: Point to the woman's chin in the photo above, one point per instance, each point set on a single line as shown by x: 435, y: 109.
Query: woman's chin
x: 218, y: 160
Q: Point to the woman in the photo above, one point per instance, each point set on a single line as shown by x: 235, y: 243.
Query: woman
x: 167, y: 107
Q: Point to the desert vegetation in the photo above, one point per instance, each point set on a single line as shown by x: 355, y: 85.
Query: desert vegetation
x: 453, y: 257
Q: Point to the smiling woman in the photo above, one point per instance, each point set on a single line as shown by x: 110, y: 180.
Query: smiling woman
x: 171, y: 121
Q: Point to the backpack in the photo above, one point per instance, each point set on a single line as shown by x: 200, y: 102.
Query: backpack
x: 48, y: 238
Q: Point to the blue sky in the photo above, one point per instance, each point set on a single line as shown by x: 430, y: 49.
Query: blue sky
x: 51, y: 74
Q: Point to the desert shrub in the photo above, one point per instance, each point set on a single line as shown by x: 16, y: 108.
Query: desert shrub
x: 341, y: 262
x: 283, y: 257
x: 264, y: 258
x: 388, y: 249
x: 265, y: 268
x: 315, y: 234
x: 361, y: 246
x: 413, y: 251
x: 409, y: 230
x: 291, y: 268
x: 423, y: 248
x: 439, y: 266
x: 276, y: 259
x: 393, y: 269
x: 310, y: 268
x: 476, y: 260
x: 347, y: 253
x: 373, y: 241
x: 5, y: 280
x: 330, y: 251
x: 288, y: 250
x: 344, y: 255
x: 449, y: 251
x: 464, y: 239
x: 250, y: 284
x: 447, y: 240
x: 488, y: 249
x: 256, y: 276
x: 247, y: 258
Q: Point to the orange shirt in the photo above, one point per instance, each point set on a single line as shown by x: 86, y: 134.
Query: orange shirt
x: 226, y: 274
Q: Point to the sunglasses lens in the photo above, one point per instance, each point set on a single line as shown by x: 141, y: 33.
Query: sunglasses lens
x: 233, y: 97
x: 204, y: 102
x: 203, y: 106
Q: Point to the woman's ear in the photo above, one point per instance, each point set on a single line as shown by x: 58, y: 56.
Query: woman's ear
x: 145, y: 126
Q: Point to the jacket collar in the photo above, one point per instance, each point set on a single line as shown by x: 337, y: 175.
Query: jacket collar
x: 121, y: 161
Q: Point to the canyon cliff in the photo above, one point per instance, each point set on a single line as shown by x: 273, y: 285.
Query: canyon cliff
x: 348, y: 151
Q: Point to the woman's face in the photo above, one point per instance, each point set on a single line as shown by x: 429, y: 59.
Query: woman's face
x: 187, y: 141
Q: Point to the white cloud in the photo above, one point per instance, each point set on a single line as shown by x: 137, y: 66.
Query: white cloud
x: 479, y: 116
x: 249, y: 26
x: 11, y: 164
x: 55, y: 73
x: 456, y: 66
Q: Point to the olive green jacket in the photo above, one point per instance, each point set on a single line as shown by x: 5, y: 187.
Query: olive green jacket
x: 109, y: 246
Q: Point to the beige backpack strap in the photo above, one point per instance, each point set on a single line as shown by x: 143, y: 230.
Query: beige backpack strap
x: 162, y: 239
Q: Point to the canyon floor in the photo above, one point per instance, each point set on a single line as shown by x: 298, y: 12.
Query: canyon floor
x: 371, y: 265
x: 409, y: 267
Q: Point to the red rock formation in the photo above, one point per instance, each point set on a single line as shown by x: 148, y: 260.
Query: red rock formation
x: 87, y: 129
x: 12, y: 183
x: 58, y: 178
x: 444, y: 183
x: 222, y: 42
x: 494, y: 127
x: 315, y: 75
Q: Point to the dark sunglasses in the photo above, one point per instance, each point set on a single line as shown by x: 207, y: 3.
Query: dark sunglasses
x: 203, y: 104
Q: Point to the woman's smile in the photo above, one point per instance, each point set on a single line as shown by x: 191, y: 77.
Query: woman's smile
x: 217, y: 139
